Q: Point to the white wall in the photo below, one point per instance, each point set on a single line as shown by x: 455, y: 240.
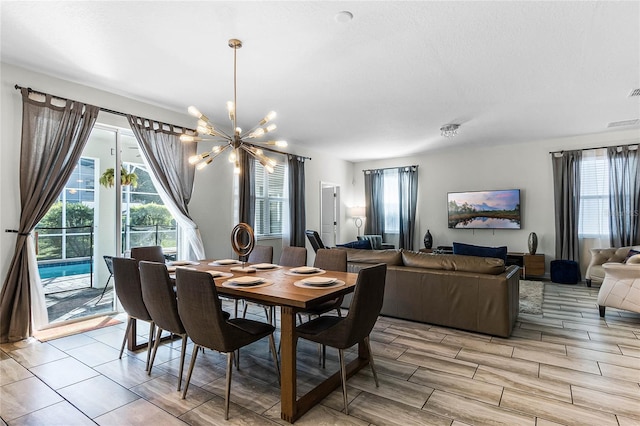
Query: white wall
x: 211, y: 205
x: 526, y: 167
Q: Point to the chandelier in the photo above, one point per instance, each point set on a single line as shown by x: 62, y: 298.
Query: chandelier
x: 449, y: 130
x: 236, y: 139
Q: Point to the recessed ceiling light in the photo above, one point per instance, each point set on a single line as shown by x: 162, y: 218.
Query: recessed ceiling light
x: 343, y: 17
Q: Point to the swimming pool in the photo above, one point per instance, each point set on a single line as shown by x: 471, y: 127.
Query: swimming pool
x: 64, y: 268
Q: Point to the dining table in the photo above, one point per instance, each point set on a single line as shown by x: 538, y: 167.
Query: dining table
x: 281, y: 287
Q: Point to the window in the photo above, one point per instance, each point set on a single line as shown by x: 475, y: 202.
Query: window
x: 146, y: 221
x: 594, y: 195
x: 270, y: 200
x: 391, y: 202
x: 66, y: 231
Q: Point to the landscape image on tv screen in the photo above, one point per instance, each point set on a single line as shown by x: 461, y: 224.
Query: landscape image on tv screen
x: 484, y: 209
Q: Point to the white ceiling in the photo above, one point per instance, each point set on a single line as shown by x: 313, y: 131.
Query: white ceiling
x: 378, y: 86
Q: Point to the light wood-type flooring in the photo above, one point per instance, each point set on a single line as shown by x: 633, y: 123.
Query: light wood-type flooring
x: 566, y: 366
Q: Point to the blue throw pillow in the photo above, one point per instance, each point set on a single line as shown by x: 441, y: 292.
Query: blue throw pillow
x: 363, y: 244
x: 481, y: 251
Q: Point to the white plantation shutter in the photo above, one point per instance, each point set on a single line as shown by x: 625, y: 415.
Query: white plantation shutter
x: 391, y: 201
x: 270, y: 200
x: 594, y: 194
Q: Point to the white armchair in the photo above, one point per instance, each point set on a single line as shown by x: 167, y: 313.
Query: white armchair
x: 621, y: 286
x: 600, y: 256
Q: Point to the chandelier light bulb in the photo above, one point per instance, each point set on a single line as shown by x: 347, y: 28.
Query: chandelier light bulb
x: 257, y: 133
x: 231, y: 108
x: 267, y: 118
x: 236, y: 169
x: 238, y: 131
x: 188, y: 138
x: 270, y: 128
x: 194, y: 111
x: 232, y: 156
x: 216, y: 149
x: 282, y: 144
x: 204, y: 164
x: 194, y: 159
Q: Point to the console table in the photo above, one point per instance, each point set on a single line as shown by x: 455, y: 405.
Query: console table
x: 531, y: 264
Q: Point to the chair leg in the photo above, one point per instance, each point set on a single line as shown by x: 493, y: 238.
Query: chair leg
x: 339, y: 312
x: 343, y: 375
x: 227, y: 393
x: 182, y: 355
x: 371, y: 363
x: 126, y: 333
x: 244, y: 310
x: 601, y: 309
x: 155, y: 349
x: 194, y: 355
x: 152, y: 329
x: 272, y: 345
x: 235, y: 315
x: 324, y: 355
x: 588, y: 283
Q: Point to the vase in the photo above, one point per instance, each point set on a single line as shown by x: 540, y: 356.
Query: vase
x: 428, y: 240
x: 532, y: 243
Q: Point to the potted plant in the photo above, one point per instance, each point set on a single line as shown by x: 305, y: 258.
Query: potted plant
x: 106, y: 179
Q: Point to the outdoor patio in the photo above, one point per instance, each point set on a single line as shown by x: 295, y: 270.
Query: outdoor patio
x: 72, y: 297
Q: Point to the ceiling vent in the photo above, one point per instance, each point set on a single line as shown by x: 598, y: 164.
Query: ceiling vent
x: 634, y: 92
x: 624, y: 123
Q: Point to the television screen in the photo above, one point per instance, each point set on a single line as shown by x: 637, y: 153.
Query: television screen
x: 484, y: 209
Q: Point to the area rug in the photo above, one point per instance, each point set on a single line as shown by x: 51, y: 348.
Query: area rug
x: 75, y: 328
x: 531, y: 296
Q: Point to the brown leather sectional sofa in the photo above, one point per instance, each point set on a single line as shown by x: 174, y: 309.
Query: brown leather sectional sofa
x: 471, y: 293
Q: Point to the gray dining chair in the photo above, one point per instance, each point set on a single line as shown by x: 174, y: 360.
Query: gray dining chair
x: 293, y: 256
x: 148, y: 253
x: 160, y: 300
x: 201, y: 313
x: 261, y: 254
x: 126, y: 279
x: 344, y: 332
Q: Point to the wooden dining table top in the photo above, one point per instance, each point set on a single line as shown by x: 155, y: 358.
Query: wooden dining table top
x: 282, y: 290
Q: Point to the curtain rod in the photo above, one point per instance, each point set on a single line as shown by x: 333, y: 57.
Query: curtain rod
x: 123, y: 114
x: 110, y: 111
x: 389, y: 168
x: 590, y: 149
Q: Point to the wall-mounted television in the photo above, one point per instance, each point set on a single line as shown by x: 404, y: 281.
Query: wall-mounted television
x: 484, y: 209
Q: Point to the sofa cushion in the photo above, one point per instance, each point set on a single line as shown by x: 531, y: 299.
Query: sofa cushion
x: 482, y: 251
x: 360, y: 244
x: 631, y: 253
x: 634, y: 260
x: 390, y: 257
x: 454, y: 262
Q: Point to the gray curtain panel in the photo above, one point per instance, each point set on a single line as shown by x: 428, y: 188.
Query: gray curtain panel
x: 297, y: 210
x: 247, y: 190
x: 168, y: 159
x: 624, y: 196
x: 374, y: 202
x: 53, y: 138
x: 408, y: 197
x: 566, y: 193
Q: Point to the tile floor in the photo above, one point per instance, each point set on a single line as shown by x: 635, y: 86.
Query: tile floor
x: 566, y: 366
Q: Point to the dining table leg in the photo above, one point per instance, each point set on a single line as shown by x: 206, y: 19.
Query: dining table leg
x: 288, y: 382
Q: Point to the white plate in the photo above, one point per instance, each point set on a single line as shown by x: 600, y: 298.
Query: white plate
x: 265, y: 266
x: 319, y: 281
x: 305, y: 270
x: 246, y: 280
x: 335, y: 284
x: 219, y: 274
x: 171, y: 269
x: 225, y: 262
x: 183, y: 262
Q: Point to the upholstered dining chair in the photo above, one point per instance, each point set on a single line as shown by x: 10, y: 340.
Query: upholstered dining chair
x: 148, y: 253
x: 344, y: 332
x: 314, y: 239
x: 126, y: 279
x: 261, y: 254
x: 293, y: 256
x: 201, y: 313
x: 160, y: 300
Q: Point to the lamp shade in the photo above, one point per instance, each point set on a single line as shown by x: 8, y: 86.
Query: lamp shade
x: 357, y: 211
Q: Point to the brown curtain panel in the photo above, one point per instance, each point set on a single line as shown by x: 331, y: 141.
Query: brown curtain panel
x: 297, y: 209
x: 53, y: 138
x: 168, y: 159
x: 566, y: 192
x: 624, y: 195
